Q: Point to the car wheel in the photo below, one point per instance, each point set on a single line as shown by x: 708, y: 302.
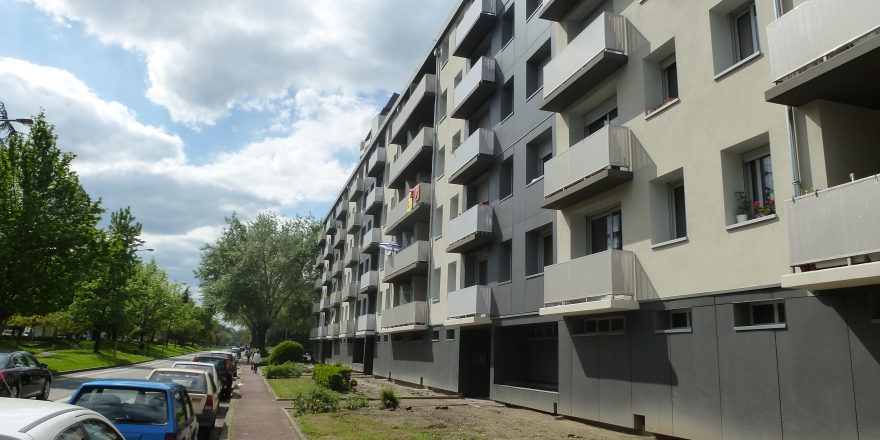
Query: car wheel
x: 47, y: 388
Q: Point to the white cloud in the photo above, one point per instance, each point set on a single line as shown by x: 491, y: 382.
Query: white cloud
x: 204, y: 57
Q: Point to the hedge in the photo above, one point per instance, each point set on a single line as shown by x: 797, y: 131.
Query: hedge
x: 335, y: 377
x: 287, y: 351
x: 285, y: 370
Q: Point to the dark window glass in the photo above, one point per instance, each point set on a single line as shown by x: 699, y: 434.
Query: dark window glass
x: 548, y: 250
x: 591, y: 327
x: 763, y: 314
x: 680, y: 214
x: 604, y: 325
x: 617, y: 325
x: 679, y: 320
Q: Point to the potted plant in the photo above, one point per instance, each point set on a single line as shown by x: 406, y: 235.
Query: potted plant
x: 766, y: 208
x: 743, y: 206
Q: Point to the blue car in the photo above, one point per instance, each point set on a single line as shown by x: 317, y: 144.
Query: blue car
x: 141, y: 409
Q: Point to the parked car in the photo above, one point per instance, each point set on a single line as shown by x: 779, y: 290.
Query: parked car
x: 200, y: 386
x: 33, y: 420
x: 224, y: 370
x: 231, y: 358
x: 141, y: 409
x: 22, y: 376
x: 204, y: 366
x: 235, y: 351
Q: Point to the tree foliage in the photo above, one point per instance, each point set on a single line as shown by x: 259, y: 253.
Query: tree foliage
x: 256, y: 270
x: 48, y: 224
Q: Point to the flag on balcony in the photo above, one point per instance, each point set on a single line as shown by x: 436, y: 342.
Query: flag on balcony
x: 389, y: 246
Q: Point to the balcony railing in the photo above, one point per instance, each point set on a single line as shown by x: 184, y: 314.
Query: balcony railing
x: 815, y: 29
x: 415, y: 159
x: 351, y: 291
x: 353, y: 256
x: 342, y: 209
x: 322, y: 240
x: 374, y: 201
x: 597, y: 283
x: 339, y: 239
x: 376, y: 162
x: 354, y: 222
x: 403, y: 217
x: 330, y: 226
x: 328, y: 251
x: 366, y: 323
x: 473, y: 157
x: 592, y: 166
x: 407, y: 263
x: 338, y: 268
x: 316, y: 308
x: 314, y: 333
x: 370, y: 241
x: 419, y: 108
x: 335, y: 298
x: 325, y: 331
x: 471, y: 229
x: 319, y: 262
x: 472, y: 304
x: 356, y: 189
x: 475, y: 24
x: 324, y: 303
x: 326, y: 278
x: 348, y: 328
x: 319, y: 285
x: 369, y: 282
x: 474, y: 89
x: 334, y: 329
x: 405, y: 317
x: 588, y: 60
x: 555, y: 10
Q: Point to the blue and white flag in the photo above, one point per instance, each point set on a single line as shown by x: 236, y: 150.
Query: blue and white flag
x: 389, y: 246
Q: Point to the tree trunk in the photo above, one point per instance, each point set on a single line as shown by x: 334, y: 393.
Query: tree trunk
x: 258, y: 337
x: 96, y: 336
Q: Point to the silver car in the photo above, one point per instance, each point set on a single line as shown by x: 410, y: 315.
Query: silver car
x: 39, y: 420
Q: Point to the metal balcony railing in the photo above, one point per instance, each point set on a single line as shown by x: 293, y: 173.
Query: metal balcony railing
x: 474, y: 156
x: 609, y: 147
x: 366, y: 323
x: 605, y: 275
x: 474, y: 301
x: 411, y: 314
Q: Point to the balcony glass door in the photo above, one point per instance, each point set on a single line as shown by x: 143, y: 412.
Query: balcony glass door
x: 606, y: 232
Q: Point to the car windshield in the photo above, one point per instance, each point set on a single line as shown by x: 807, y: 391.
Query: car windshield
x: 126, y: 405
x: 194, y: 367
x: 194, y: 382
x: 220, y: 363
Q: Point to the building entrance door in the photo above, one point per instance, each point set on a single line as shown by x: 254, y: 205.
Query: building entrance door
x: 474, y: 359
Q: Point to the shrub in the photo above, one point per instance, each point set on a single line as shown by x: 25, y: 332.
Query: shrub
x: 355, y: 401
x: 287, y: 351
x: 285, y: 370
x: 335, y: 377
x: 387, y: 399
x: 316, y: 400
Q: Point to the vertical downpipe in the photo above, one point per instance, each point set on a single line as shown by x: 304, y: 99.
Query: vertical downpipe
x: 430, y: 301
x: 790, y: 126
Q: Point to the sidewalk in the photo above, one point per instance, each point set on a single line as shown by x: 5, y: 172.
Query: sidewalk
x: 258, y: 415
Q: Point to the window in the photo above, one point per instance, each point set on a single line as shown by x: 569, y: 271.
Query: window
x: 505, y: 179
x: 440, y: 164
x: 444, y: 50
x: 397, y: 337
x: 385, y: 339
x: 416, y: 337
x: 441, y: 106
x: 544, y: 331
x: 594, y: 326
x: 532, y: 6
x: 505, y: 261
x: 679, y: 319
x: 609, y: 118
x: 181, y: 408
x: 453, y: 207
x: 535, y: 69
x: 435, y: 335
x: 669, y: 78
x: 435, y: 284
x: 767, y: 313
x: 507, y: 99
x: 450, y: 335
x: 538, y: 151
x: 547, y: 250
x: 451, y: 278
x: 438, y: 222
x: 508, y: 22
x: 606, y: 232
x: 758, y: 183
x: 677, y: 212
x: 874, y: 307
x: 744, y: 26
x: 74, y: 432
x: 673, y: 321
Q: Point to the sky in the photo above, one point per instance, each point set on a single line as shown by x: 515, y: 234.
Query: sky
x: 190, y: 111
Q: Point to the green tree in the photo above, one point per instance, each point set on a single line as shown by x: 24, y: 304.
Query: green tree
x: 152, y: 301
x: 255, y: 270
x: 48, y: 224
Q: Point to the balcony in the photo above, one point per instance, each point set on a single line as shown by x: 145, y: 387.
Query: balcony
x: 366, y: 325
x: 324, y: 304
x: 355, y: 220
x: 335, y: 298
x: 326, y: 279
x: 374, y: 201
x: 316, y: 308
x: 469, y: 306
x: 328, y: 251
x: 475, y: 24
x: 594, y: 165
x: 315, y: 333
x: 356, y: 189
x: 351, y: 291
x: 353, y: 257
x: 555, y: 10
x: 341, y: 209
x: 410, y: 262
x: 376, y: 162
x: 588, y: 60
x: 322, y: 240
x: 338, y: 269
x: 319, y: 262
x: 347, y: 328
x: 414, y: 160
x: 369, y: 282
x: 474, y: 89
x: 339, y: 242
x: 370, y: 241
x: 329, y: 227
x: 826, y: 49
x: 319, y: 285
x: 418, y: 109
x: 833, y: 237
x: 473, y: 157
x: 597, y: 283
x: 334, y: 330
x: 405, y: 318
x: 402, y: 217
x: 471, y: 229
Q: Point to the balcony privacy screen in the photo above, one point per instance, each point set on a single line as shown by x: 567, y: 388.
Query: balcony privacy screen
x: 610, y: 146
x: 470, y: 301
x: 480, y: 143
x: 591, y: 277
x: 478, y: 219
x: 472, y: 14
x: 413, y: 254
x: 408, y: 314
x: 838, y: 222
x: 816, y: 28
x: 606, y: 32
x: 482, y: 70
x: 366, y: 323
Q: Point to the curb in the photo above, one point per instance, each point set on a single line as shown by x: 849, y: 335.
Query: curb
x: 298, y: 434
x: 274, y: 396
x: 107, y: 367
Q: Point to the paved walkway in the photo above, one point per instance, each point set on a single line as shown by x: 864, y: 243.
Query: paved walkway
x: 258, y: 415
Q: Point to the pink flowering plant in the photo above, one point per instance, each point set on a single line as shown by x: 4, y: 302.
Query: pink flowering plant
x: 766, y: 208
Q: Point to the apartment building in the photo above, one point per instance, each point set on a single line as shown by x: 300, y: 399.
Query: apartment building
x: 653, y: 214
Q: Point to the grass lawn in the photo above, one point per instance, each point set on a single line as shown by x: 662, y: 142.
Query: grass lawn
x: 289, y: 388
x: 355, y: 426
x: 63, y: 355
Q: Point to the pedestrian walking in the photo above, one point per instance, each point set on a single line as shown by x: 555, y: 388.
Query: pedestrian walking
x: 247, y: 354
x: 257, y: 360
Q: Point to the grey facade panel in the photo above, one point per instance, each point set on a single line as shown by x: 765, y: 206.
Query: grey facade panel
x: 696, y: 400
x: 749, y: 380
x: 565, y: 353
x: 865, y: 346
x: 815, y: 381
x: 534, y: 297
x: 615, y: 384
x: 652, y: 375
x: 585, y: 374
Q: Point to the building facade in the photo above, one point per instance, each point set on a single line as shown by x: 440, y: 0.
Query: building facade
x: 653, y: 214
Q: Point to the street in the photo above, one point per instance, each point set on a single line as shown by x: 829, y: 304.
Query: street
x: 64, y: 385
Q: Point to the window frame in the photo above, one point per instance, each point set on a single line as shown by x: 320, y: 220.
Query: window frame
x: 668, y: 65
x: 604, y: 214
x: 750, y: 10
x: 753, y: 184
x: 673, y: 216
